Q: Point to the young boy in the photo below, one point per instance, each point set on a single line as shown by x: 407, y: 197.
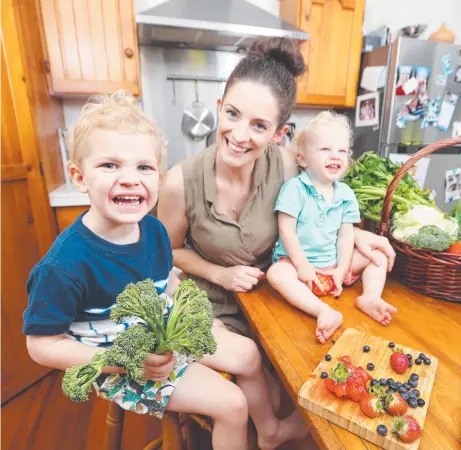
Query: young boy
x: 116, y: 157
x: 316, y: 214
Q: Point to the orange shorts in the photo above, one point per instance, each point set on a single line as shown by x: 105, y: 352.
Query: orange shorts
x: 349, y: 279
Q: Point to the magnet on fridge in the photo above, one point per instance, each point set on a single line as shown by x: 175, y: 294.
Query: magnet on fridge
x: 403, y: 75
x: 422, y: 75
x: 447, y: 109
x: 441, y: 80
x: 447, y: 64
x: 456, y: 130
x: 431, y: 113
x: 458, y: 75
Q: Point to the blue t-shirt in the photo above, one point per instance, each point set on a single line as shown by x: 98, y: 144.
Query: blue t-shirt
x: 317, y: 224
x: 77, y: 282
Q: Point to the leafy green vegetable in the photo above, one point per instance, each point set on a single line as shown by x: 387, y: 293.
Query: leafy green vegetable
x: 370, y: 176
x: 432, y: 238
x: 187, y: 331
x: 456, y: 213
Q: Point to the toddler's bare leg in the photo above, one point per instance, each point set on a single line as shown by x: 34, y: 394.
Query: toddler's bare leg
x: 374, y: 279
x: 201, y: 390
x: 283, y: 277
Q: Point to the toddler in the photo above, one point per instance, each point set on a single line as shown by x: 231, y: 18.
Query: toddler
x: 316, y: 213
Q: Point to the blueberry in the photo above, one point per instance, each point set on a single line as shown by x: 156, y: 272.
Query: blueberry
x: 389, y: 391
x: 410, y: 357
x: 417, y: 393
x: 373, y: 382
x: 402, y: 390
x: 422, y: 356
x: 398, y: 384
x: 427, y: 361
x: 324, y: 375
x: 327, y: 357
x: 391, y: 345
x: 418, y: 361
x: 410, y: 363
x: 412, y: 403
x: 390, y: 381
x: 412, y: 395
x: 370, y: 366
x: 405, y: 396
x: 366, y: 348
x: 421, y: 402
x: 414, y: 376
x: 382, y: 430
x: 383, y: 382
x: 393, y: 386
x: 407, y: 386
x: 413, y: 383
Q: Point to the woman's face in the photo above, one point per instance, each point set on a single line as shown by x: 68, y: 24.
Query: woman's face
x: 247, y: 123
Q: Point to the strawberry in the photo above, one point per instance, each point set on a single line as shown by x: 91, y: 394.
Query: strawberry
x: 363, y: 375
x: 395, y: 405
x: 407, y: 428
x: 399, y: 361
x: 345, y: 359
x: 371, y: 403
x: 355, y: 389
x: 337, y: 381
x: 327, y: 283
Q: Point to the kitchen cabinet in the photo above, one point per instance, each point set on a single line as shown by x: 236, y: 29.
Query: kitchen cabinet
x: 66, y: 215
x: 332, y: 54
x: 29, y: 149
x: 90, y: 46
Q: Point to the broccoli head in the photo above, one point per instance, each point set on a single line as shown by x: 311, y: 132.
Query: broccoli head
x: 431, y: 238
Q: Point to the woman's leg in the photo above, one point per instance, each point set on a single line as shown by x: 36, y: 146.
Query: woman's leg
x: 283, y: 277
x: 203, y: 391
x: 374, y: 279
x: 240, y: 356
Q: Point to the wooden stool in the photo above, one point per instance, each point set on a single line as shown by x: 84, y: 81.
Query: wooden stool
x: 178, y: 429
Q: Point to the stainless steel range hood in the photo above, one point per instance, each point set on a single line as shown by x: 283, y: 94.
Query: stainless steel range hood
x: 210, y: 24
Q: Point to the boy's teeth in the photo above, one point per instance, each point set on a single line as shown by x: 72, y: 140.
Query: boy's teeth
x: 234, y: 148
x: 128, y: 200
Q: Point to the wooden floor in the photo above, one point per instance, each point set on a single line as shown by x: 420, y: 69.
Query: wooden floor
x: 43, y: 418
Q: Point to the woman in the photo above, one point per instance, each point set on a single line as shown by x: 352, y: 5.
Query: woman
x: 218, y: 210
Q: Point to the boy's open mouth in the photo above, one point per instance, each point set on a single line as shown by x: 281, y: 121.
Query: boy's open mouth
x: 128, y: 200
x: 333, y: 166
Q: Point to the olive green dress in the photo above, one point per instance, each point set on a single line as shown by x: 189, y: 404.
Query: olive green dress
x: 221, y: 240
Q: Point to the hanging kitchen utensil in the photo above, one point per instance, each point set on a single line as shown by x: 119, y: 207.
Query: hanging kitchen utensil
x: 197, y: 120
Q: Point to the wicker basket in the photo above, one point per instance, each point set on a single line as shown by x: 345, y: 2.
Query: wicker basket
x: 435, y: 274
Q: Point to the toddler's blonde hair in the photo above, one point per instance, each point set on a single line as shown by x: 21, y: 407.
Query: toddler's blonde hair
x: 300, y: 140
x: 118, y: 112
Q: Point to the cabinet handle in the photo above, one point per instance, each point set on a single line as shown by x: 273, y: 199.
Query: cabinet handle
x: 306, y: 17
x: 129, y: 52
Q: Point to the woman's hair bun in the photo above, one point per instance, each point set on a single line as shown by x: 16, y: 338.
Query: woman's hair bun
x: 283, y: 50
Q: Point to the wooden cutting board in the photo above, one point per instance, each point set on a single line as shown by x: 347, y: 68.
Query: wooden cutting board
x: 314, y: 396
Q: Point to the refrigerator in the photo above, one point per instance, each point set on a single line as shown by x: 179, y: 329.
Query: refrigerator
x: 415, y: 113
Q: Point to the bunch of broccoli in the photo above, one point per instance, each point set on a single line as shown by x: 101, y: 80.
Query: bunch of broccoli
x: 186, y: 331
x: 431, y: 238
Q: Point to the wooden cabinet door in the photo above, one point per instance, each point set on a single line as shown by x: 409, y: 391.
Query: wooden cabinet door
x: 332, y: 54
x: 90, y: 46
x: 27, y: 226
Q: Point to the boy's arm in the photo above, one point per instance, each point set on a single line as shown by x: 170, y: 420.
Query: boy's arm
x: 173, y: 283
x: 61, y: 352
x: 345, y: 246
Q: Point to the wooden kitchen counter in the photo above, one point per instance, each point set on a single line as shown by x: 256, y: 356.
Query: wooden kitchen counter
x: 432, y: 326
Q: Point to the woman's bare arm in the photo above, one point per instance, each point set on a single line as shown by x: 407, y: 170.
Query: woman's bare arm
x: 172, y: 213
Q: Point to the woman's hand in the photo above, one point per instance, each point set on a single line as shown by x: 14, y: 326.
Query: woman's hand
x: 365, y: 242
x: 307, y: 273
x: 159, y: 367
x: 239, y: 278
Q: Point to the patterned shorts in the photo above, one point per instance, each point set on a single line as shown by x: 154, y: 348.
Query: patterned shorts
x: 141, y: 396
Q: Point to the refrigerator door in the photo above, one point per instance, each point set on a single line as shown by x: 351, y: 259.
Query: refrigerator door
x: 426, y: 54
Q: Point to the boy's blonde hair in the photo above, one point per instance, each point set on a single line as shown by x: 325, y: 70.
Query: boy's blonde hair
x: 324, y: 118
x: 118, y: 112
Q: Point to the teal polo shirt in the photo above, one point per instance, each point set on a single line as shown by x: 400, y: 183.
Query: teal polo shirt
x: 317, y: 224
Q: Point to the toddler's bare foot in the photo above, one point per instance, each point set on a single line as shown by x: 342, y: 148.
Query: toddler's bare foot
x: 327, y: 322
x: 376, y: 308
x: 288, y: 429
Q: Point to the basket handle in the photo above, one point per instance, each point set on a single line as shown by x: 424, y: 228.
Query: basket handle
x: 386, y: 212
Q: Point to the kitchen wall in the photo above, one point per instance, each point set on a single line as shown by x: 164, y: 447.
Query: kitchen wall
x: 160, y: 103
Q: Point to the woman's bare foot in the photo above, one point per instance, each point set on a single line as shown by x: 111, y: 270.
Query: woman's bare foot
x: 376, y: 308
x: 328, y: 321
x: 289, y: 429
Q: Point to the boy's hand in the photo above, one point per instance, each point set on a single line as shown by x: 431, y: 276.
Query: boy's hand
x: 158, y: 367
x: 307, y: 273
x: 338, y: 276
